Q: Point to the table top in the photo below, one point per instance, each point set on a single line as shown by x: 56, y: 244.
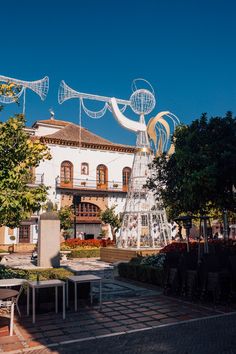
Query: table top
x: 12, y: 282
x: 7, y: 293
x: 83, y: 278
x: 46, y: 283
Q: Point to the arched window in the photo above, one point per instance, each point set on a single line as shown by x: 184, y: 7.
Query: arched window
x: 66, y: 173
x: 87, y: 212
x: 84, y: 168
x: 102, y: 177
x: 125, y: 178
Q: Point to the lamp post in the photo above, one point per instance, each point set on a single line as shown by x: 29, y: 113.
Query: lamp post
x: 76, y: 201
x: 186, y: 221
x: 225, y: 224
x: 204, y: 219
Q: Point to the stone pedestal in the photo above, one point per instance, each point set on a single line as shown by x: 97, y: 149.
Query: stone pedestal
x: 49, y: 240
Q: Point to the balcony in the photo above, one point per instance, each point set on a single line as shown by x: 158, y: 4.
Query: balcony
x: 36, y: 180
x: 84, y: 184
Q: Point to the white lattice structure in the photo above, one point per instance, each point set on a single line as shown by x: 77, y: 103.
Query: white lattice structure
x: 18, y: 87
x: 144, y: 219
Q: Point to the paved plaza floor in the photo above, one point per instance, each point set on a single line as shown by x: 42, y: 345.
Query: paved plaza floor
x: 118, y: 317
x: 135, y: 318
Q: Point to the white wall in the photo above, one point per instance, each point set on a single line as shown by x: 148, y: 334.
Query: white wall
x: 115, y: 162
x: 7, y: 236
x: 45, y: 130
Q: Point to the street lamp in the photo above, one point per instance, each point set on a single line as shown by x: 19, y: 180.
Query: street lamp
x: 204, y: 219
x: 186, y: 221
x: 76, y: 201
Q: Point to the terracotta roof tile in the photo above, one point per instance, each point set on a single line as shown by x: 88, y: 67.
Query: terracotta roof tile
x: 71, y: 133
x: 57, y: 122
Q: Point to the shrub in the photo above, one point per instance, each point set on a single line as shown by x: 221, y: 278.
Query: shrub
x: 34, y: 274
x: 155, y: 260
x: 136, y: 260
x: 85, y: 253
x: 142, y: 273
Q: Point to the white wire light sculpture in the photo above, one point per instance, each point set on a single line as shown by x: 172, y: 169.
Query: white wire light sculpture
x: 144, y: 219
x: 18, y: 87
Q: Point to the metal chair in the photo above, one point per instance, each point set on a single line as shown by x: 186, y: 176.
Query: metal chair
x: 8, y: 300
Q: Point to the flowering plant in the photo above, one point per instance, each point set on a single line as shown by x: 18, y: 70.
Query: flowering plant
x: 77, y: 243
x: 178, y: 247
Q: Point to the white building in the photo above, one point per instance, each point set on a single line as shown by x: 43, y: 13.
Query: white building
x: 83, y: 164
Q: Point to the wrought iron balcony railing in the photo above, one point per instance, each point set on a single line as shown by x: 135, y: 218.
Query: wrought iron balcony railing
x: 36, y: 179
x: 88, y: 184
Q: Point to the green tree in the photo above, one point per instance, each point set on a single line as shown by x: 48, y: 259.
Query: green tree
x: 108, y: 216
x: 65, y: 216
x: 200, y: 175
x: 19, y: 155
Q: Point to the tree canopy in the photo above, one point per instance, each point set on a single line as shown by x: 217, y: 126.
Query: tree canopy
x: 65, y: 215
x: 19, y: 155
x: 108, y: 216
x: 201, y: 174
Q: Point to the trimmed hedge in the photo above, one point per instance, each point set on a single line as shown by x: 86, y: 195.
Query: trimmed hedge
x: 85, y: 253
x: 142, y: 273
x: 33, y: 274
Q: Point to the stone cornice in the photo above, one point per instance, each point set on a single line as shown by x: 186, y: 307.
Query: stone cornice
x: 103, y: 147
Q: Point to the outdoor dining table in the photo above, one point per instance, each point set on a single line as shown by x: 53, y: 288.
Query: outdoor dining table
x: 5, y: 295
x: 87, y: 278
x: 8, y: 283
x: 54, y: 283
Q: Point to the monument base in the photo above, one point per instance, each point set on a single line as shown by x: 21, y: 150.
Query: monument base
x: 112, y: 254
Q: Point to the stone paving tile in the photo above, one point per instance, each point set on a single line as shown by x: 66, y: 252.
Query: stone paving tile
x: 89, y: 322
x: 59, y: 339
x: 110, y: 324
x: 149, y: 313
x: 119, y: 329
x: 54, y: 333
x: 167, y: 320
x: 134, y: 315
x: 138, y: 326
x: 81, y: 335
x: 102, y: 332
x: 121, y: 317
x: 12, y: 346
x: 129, y: 321
x: 8, y: 339
x: 143, y: 318
x: 153, y: 323
x: 159, y: 316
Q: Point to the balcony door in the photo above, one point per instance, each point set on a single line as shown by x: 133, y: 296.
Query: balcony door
x: 125, y: 178
x: 102, y: 177
x: 66, y: 177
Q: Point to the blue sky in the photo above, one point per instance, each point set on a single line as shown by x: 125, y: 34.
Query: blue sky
x: 185, y: 48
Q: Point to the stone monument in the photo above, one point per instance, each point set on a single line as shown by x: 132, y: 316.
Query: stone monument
x: 49, y: 240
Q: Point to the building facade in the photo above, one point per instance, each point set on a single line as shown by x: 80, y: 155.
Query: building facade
x: 84, y: 166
